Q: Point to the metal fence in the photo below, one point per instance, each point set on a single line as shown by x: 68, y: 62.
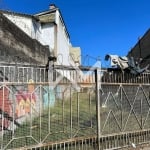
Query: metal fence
x: 71, y: 108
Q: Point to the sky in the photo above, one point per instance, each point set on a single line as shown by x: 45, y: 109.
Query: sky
x: 99, y: 27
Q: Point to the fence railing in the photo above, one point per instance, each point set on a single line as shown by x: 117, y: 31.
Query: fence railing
x: 23, y: 74
x: 65, y: 74
x: 125, y: 77
x: 72, y: 108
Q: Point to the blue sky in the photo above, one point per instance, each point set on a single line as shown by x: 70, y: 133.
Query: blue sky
x: 99, y: 27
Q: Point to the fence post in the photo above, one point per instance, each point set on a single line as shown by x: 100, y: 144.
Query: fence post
x: 97, y: 82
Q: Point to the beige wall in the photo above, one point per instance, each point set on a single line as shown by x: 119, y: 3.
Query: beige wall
x: 75, y: 53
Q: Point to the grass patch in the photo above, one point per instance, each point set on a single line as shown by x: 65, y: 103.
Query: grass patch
x: 71, y: 117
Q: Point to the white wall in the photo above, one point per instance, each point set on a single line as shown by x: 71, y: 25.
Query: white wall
x: 36, y: 30
x: 24, y: 23
x: 47, y: 34
x: 62, y: 42
x: 30, y: 26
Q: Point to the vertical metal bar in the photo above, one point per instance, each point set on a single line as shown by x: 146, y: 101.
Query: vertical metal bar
x: 64, y: 145
x: 2, y: 119
x: 92, y: 143
x: 78, y: 108
x: 14, y: 74
x: 146, y: 136
x: 13, y: 113
x: 49, y: 110
x: 141, y: 105
x: 9, y: 73
x: 121, y: 99
x: 32, y: 74
x: 44, y: 75
x: 27, y: 74
x: 91, y: 121
x: 97, y: 81
x: 18, y: 69
x: 50, y: 87
x: 63, y: 112
x: 89, y: 145
x: 82, y: 144
x: 85, y: 143
x: 4, y: 74
x: 70, y: 114
x: 23, y: 75
x: 40, y: 112
x: 40, y: 75
x: 56, y: 146
x: 31, y: 110
x: 36, y: 71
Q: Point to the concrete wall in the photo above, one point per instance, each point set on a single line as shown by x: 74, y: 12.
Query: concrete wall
x: 16, y: 44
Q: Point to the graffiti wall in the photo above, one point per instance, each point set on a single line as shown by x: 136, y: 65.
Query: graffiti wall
x: 18, y: 102
x: 25, y: 99
x: 5, y: 108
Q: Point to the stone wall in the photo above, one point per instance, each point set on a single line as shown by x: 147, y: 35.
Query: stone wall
x: 17, y: 47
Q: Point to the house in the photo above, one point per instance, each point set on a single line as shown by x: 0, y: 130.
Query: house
x: 48, y: 27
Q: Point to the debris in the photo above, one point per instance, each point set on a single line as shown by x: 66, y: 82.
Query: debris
x: 126, y: 63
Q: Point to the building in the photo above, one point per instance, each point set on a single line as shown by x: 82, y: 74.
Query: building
x: 17, y: 47
x: 48, y: 27
x: 141, y: 50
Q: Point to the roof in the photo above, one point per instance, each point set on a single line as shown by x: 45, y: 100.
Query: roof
x: 46, y: 12
x: 46, y: 17
x: 51, y: 11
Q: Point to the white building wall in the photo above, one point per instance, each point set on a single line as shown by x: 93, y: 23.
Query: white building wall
x: 24, y: 23
x: 47, y: 36
x: 62, y: 42
x: 36, y: 30
x: 30, y: 26
x: 62, y: 47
